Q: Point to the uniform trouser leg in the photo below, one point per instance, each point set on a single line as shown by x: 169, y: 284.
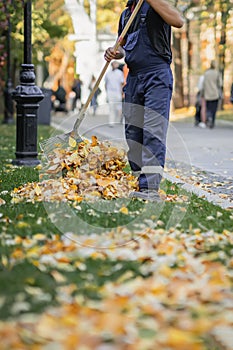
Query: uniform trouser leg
x: 133, y: 111
x: 211, y: 107
x: 146, y: 126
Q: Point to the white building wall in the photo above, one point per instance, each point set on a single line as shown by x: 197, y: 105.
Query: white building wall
x: 89, y: 50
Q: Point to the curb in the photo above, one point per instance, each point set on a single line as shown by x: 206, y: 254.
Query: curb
x: 210, y: 197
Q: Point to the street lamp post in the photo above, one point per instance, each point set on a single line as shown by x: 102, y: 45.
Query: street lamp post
x: 8, y: 101
x: 27, y: 96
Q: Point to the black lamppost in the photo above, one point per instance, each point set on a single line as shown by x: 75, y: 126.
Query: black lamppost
x: 27, y: 96
x: 8, y: 101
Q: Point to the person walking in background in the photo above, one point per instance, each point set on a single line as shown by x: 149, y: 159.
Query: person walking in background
x: 94, y: 100
x: 212, y: 86
x: 231, y: 96
x: 125, y: 72
x: 77, y: 89
x: 114, y: 81
x: 148, y: 90
x: 59, y: 102
x: 200, y: 105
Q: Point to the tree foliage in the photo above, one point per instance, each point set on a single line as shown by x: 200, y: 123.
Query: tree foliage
x: 6, y: 10
x: 108, y: 13
x: 50, y: 23
x: 44, y: 30
x: 217, y: 13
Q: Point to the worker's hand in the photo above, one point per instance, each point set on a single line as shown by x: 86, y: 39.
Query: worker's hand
x: 110, y: 54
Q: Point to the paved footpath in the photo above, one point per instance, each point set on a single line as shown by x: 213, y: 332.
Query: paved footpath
x: 201, y: 160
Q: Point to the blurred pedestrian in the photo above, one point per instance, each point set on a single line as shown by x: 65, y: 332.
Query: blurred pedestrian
x: 200, y: 105
x: 125, y: 72
x: 148, y: 89
x: 114, y: 81
x: 212, y: 87
x: 77, y: 89
x: 94, y: 100
x: 231, y: 97
x: 59, y: 103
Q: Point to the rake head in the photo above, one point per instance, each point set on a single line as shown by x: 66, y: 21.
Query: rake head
x: 58, y: 141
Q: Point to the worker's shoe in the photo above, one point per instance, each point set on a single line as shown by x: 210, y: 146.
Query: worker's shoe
x: 147, y: 195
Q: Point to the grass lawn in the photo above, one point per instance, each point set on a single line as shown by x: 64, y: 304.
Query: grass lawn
x: 225, y: 114
x: 149, y: 277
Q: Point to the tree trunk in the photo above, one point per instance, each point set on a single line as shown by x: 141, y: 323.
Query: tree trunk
x: 222, y: 48
x: 178, y: 96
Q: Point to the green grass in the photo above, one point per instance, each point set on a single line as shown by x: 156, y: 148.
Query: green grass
x: 16, y: 278
x: 187, y: 114
x: 226, y: 114
x: 197, y: 210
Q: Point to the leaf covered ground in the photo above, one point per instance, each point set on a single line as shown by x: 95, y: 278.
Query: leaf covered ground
x: 153, y: 277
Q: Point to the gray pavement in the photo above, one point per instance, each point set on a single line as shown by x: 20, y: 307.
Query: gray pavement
x: 201, y: 159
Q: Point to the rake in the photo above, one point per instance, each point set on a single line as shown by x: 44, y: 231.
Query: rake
x: 62, y: 140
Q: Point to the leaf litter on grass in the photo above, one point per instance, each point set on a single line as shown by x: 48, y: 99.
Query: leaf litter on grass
x: 91, y: 172
x: 182, y: 294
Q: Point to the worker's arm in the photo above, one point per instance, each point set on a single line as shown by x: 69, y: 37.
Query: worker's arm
x: 168, y: 12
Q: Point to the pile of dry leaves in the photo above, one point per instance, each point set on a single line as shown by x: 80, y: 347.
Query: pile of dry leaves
x: 88, y: 170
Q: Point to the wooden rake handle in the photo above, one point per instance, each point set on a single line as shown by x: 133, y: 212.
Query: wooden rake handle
x: 117, y: 44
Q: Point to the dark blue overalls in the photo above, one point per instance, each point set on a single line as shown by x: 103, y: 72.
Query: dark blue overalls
x: 147, y: 105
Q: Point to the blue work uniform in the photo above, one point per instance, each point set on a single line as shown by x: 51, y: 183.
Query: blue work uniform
x: 148, y: 92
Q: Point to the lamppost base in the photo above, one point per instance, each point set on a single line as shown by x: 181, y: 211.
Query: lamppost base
x: 26, y: 162
x: 8, y: 121
x: 27, y: 96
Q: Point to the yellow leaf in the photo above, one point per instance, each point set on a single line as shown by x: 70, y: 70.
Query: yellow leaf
x: 64, y: 259
x: 96, y: 255
x: 40, y: 236
x: 72, y: 142
x: 78, y: 199
x: 4, y: 260
x: 19, y: 217
x: 37, y: 190
x: 94, y: 141
x: 18, y: 254
x: 124, y: 210
x: 38, y: 167
x: 165, y: 248
x: 2, y: 202
x: 16, y: 200
x: 22, y: 224
x: 58, y: 276
x: 105, y: 182
x: 18, y: 240
x: 177, y: 337
x: 165, y: 271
